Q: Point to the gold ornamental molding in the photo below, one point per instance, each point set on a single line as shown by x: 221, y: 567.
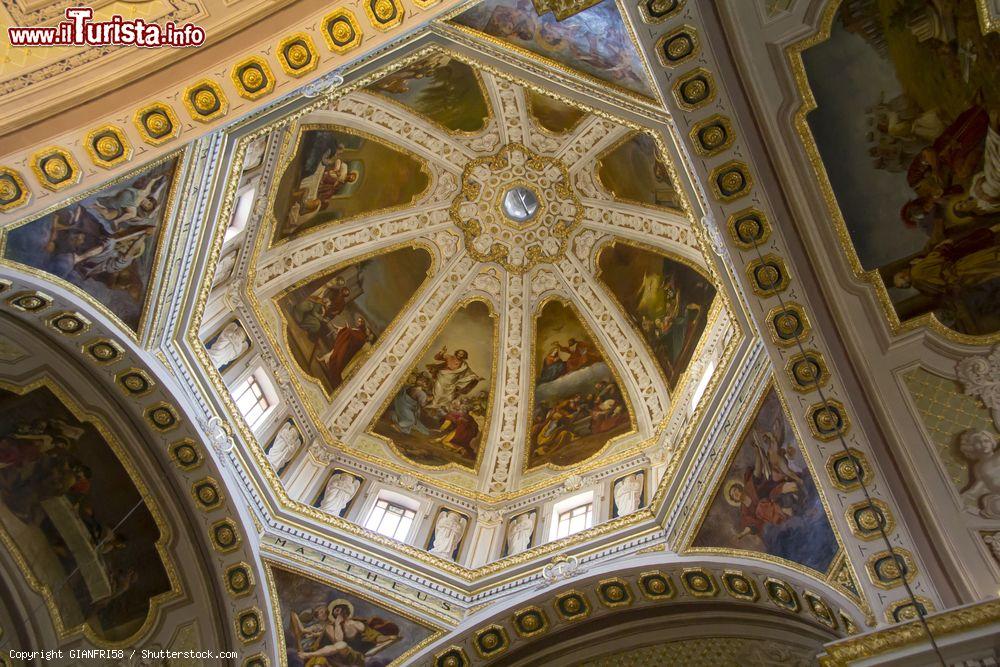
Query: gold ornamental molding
x: 883, y: 642
x: 251, y: 79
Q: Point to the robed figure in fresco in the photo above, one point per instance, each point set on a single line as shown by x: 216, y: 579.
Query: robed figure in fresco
x: 917, y: 174
x: 331, y: 636
x: 768, y: 502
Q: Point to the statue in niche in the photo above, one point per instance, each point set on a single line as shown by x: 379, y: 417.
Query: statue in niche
x: 284, y: 445
x: 231, y: 342
x: 519, y: 533
x: 628, y: 493
x: 448, y: 533
x: 340, y: 490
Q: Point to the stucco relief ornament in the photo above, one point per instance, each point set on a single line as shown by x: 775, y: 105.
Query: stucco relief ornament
x: 516, y: 208
x: 561, y: 567
x: 981, y: 448
x: 489, y: 518
x: 321, y: 454
x: 993, y: 542
x: 217, y: 433
x: 980, y: 377
x: 573, y: 482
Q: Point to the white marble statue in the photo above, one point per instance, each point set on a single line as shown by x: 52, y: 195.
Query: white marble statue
x: 228, y: 345
x: 340, y: 489
x: 448, y: 533
x: 519, y: 533
x: 628, y: 493
x: 283, y: 448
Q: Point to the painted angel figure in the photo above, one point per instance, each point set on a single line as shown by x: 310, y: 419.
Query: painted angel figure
x: 130, y: 206
x: 770, y: 490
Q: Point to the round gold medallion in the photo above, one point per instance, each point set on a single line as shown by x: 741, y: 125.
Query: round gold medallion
x: 679, y: 47
x: 695, y: 89
x: 732, y: 181
x: 108, y: 147
x: 713, y: 136
x: 252, y: 77
x: 158, y: 123
x: 384, y: 9
x: 56, y: 168
x: 297, y: 55
x: 342, y: 31
x: 8, y: 190
x: 205, y: 101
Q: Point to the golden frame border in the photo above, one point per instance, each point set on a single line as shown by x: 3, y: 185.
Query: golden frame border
x: 269, y: 565
x: 424, y: 349
x: 805, y: 103
x: 725, y: 462
x: 622, y: 387
x: 167, y: 230
x: 43, y: 379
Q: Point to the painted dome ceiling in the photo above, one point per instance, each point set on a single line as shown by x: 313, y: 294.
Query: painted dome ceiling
x: 481, y: 283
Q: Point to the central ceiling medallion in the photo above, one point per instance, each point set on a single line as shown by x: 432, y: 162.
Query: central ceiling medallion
x: 516, y: 208
x: 520, y: 204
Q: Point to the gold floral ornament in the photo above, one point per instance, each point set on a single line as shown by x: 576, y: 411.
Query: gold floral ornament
x: 297, y: 55
x: 678, y: 46
x: 70, y: 324
x: 107, y: 146
x: 205, y: 101
x: 341, y: 31
x: 694, y: 90
x: 29, y: 302
x: 712, y: 136
x: 782, y: 594
x: 658, y: 11
x: 249, y: 625
x: 807, y: 371
x: 225, y: 535
x: 253, y: 78
x: 157, y: 123
x: 788, y: 324
x: 55, y: 168
x: 454, y: 656
x: 731, y: 181
x: 848, y: 470
x: 13, y: 192
x: 384, y: 14
x: 828, y: 420
x: 749, y: 228
x: 516, y: 208
x: 768, y: 275
x: 530, y: 621
x: 869, y: 518
x: 103, y: 351
x: 491, y: 641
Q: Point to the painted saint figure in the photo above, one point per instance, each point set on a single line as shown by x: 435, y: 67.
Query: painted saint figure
x: 452, y: 377
x: 337, y: 638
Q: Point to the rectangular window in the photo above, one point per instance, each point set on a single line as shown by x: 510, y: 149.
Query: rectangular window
x: 251, y: 401
x: 574, y: 520
x: 390, y: 519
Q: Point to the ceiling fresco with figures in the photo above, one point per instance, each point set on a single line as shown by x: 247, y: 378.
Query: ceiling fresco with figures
x: 457, y: 282
x: 503, y: 329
